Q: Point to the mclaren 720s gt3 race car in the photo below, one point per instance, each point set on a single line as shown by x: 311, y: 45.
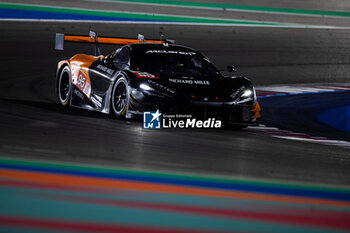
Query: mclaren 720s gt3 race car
x: 154, y: 75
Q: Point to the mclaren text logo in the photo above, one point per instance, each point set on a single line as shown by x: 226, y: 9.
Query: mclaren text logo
x: 172, y: 52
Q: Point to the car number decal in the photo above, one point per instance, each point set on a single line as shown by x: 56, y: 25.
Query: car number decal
x: 80, y: 78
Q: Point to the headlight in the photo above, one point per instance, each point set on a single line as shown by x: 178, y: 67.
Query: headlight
x: 246, y: 95
x: 145, y: 87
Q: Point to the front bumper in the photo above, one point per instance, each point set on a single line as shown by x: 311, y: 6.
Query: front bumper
x: 229, y: 112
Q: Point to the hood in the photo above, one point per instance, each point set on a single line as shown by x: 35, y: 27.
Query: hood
x: 199, y: 88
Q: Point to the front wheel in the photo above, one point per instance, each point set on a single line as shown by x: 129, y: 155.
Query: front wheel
x: 64, y: 86
x: 120, y: 98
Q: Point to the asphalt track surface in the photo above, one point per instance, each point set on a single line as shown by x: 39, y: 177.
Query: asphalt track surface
x: 33, y: 125
x: 299, y: 113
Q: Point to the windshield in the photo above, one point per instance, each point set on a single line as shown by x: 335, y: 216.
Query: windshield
x: 175, y: 65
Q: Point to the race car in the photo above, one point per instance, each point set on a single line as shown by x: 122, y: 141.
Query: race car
x: 152, y: 75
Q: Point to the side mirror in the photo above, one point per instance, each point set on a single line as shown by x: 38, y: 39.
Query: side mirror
x: 231, y: 68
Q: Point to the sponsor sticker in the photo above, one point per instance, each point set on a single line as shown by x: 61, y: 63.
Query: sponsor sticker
x: 161, y: 87
x: 105, y: 69
x: 79, y: 94
x: 189, y: 81
x: 171, y: 52
x: 96, y: 101
x: 145, y: 75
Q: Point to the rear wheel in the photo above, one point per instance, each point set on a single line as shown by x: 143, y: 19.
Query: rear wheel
x: 120, y: 98
x: 64, y: 86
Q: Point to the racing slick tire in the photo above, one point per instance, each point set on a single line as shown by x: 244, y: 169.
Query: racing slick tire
x: 64, y: 86
x: 120, y: 98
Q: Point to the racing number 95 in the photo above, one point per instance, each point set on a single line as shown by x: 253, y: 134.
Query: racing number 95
x: 81, y: 81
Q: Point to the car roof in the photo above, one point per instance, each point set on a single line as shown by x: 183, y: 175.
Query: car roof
x: 143, y: 47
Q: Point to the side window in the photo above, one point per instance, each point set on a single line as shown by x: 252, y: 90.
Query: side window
x: 122, y: 57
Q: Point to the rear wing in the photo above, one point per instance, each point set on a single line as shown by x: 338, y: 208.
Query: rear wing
x: 92, y: 39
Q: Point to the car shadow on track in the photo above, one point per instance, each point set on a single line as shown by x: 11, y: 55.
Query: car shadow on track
x: 78, y: 112
x: 56, y: 107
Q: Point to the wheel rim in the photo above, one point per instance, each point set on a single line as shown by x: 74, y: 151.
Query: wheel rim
x: 64, y: 87
x: 120, y: 97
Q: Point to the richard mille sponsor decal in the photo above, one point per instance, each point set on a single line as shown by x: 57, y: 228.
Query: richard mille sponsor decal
x: 155, y: 120
x: 189, y: 81
x: 172, y: 52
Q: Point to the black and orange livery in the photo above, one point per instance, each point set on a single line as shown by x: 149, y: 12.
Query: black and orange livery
x: 150, y: 75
